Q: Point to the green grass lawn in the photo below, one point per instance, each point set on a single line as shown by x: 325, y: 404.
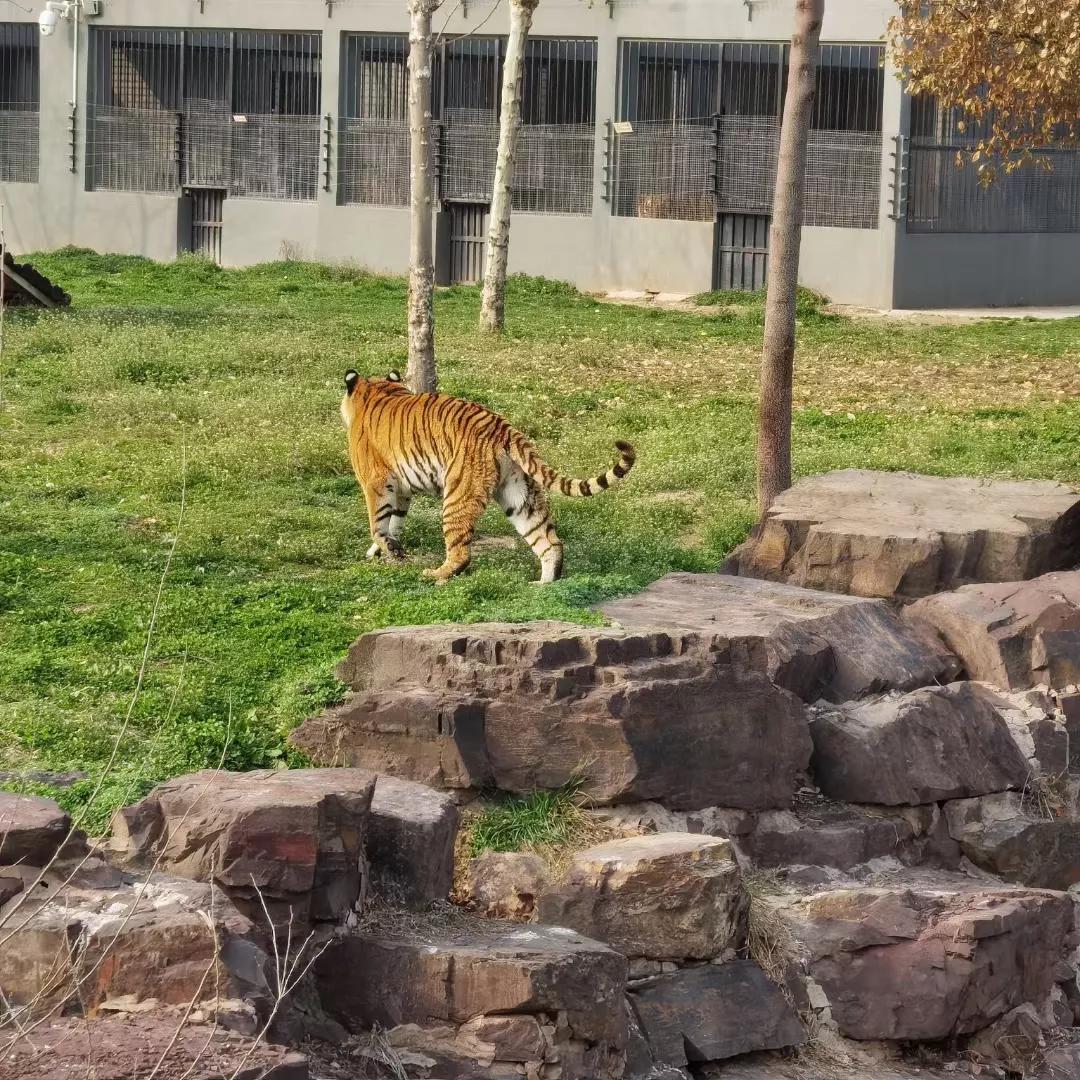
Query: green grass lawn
x: 240, y: 374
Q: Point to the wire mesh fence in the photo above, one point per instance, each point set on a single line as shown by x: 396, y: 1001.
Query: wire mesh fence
x: 18, y: 145
x: 556, y: 149
x: 236, y: 111
x: 943, y: 197
x: 373, y: 162
x: 19, y: 103
x: 666, y: 170
x: 132, y: 150
x: 843, y: 179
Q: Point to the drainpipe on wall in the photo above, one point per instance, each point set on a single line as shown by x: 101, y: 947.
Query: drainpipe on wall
x: 73, y: 10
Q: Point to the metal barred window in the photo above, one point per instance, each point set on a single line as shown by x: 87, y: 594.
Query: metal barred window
x: 237, y: 111
x: 699, y: 127
x: 944, y: 196
x: 553, y: 171
x: 19, y: 103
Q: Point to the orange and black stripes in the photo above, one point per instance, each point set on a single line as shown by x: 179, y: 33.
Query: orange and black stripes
x: 401, y: 444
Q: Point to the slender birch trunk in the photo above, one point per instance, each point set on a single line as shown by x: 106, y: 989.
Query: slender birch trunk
x: 421, y: 370
x: 778, y: 355
x: 493, y: 305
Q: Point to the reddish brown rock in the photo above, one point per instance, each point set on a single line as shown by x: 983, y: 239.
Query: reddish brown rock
x: 410, y: 843
x: 166, y: 940
x: 926, y: 963
x: 844, y: 836
x: 667, y: 896
x: 943, y: 742
x: 1006, y: 835
x: 456, y: 969
x: 447, y: 987
x: 33, y: 829
x: 1015, y: 634
x: 713, y: 1012
x: 815, y: 644
x: 899, y: 534
x: 295, y: 837
x: 644, y: 716
x: 507, y: 884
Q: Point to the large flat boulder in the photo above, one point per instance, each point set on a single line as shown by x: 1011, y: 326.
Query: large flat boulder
x: 942, y: 742
x: 1010, y: 835
x: 904, y: 535
x: 665, y: 896
x: 713, y: 1012
x: 33, y: 830
x: 926, y: 962
x: 1014, y: 634
x: 293, y: 839
x: 447, y: 983
x: 521, y: 708
x: 825, y: 833
x: 410, y: 843
x: 816, y: 644
x: 164, y: 940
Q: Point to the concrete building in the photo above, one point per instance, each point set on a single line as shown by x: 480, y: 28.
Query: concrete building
x: 250, y: 130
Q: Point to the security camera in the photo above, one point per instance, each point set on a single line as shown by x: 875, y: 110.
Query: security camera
x: 47, y: 21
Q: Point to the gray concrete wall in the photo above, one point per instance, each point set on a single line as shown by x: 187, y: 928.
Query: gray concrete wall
x: 987, y: 270
x: 594, y: 252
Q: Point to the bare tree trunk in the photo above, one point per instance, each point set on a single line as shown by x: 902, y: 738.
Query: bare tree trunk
x: 778, y: 356
x: 492, y: 308
x: 421, y: 371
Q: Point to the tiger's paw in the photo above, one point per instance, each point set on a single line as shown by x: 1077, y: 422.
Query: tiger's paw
x: 394, y: 550
x: 439, y: 576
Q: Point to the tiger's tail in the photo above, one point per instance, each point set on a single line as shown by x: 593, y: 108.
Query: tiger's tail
x: 524, y: 454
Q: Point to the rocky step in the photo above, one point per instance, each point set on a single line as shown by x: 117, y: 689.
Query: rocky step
x: 926, y: 958
x: 304, y: 843
x: 904, y: 535
x: 1014, y: 634
x: 636, y: 716
x: 459, y: 996
x: 816, y: 644
x: 99, y: 937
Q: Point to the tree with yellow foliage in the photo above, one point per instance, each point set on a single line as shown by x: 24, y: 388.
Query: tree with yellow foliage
x: 1010, y: 69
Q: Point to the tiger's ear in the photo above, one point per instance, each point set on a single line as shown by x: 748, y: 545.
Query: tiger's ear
x: 351, y: 379
x: 394, y: 376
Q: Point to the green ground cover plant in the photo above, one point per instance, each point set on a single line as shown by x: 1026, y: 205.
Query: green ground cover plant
x: 220, y: 389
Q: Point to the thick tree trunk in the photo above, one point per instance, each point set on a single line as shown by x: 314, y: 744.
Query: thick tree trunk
x: 421, y: 372
x: 778, y: 356
x: 492, y: 308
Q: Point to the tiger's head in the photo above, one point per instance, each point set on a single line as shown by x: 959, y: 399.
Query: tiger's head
x: 358, y: 391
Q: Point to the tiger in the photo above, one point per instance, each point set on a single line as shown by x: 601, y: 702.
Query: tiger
x: 402, y: 444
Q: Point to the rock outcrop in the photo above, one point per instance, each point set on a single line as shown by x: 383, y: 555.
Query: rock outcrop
x: 1015, y: 634
x: 713, y: 1012
x: 292, y: 839
x: 815, y: 644
x: 903, y: 535
x: 33, y: 830
x: 473, y: 995
x: 103, y: 937
x: 1012, y: 837
x: 507, y: 884
x: 410, y: 843
x: 942, y: 742
x: 668, y: 896
x: 929, y: 962
x: 638, y: 716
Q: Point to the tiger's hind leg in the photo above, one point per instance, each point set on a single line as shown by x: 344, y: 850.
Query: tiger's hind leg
x: 527, y: 507
x: 468, y: 488
x: 382, y: 503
